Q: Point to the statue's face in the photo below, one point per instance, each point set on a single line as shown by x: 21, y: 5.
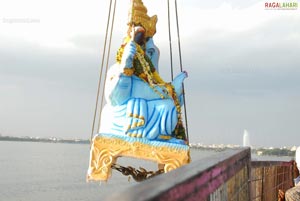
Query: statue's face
x: 152, y: 52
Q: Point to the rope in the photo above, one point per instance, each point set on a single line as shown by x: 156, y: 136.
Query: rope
x: 107, y: 60
x: 100, y: 73
x: 180, y: 61
x: 170, y: 41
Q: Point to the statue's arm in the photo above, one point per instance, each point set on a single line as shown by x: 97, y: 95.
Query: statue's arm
x: 127, y: 58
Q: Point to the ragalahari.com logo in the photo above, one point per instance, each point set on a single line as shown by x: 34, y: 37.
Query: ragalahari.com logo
x: 281, y: 5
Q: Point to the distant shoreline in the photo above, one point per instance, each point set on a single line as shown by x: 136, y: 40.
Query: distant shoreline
x: 48, y: 140
x: 258, y: 151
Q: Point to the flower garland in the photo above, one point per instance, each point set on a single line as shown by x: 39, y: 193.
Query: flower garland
x: 140, y: 54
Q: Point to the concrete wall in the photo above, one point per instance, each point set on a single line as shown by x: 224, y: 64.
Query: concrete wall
x: 222, y: 176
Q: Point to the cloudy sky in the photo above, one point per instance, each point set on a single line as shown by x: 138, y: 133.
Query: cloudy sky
x: 243, y: 63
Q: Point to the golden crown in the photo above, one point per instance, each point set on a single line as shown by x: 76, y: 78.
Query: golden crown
x: 137, y: 15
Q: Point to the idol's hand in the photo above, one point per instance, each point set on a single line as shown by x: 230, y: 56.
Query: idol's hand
x: 186, y: 73
x: 128, y: 55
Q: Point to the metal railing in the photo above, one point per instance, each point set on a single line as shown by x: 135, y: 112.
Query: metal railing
x: 267, y: 177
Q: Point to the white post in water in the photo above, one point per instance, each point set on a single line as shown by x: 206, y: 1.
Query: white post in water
x: 246, y: 139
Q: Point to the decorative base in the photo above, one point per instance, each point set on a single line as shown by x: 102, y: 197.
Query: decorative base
x: 106, y: 148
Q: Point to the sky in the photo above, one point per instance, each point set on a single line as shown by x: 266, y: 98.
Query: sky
x: 242, y: 60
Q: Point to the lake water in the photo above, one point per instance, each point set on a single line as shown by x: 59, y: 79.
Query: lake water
x: 33, y: 171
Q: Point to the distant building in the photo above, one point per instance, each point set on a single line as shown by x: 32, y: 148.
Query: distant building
x: 246, y: 139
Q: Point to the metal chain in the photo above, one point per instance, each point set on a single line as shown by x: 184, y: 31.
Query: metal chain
x: 138, y: 175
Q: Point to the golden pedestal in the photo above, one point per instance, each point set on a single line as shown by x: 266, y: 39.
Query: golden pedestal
x: 106, y: 148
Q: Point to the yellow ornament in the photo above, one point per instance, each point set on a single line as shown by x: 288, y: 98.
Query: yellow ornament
x: 137, y: 15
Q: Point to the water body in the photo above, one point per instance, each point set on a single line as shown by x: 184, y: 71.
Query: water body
x: 33, y: 171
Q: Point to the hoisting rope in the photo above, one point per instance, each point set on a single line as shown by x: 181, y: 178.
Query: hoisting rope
x: 101, y: 71
x: 180, y: 60
x: 170, y: 42
x: 180, y: 63
x: 107, y: 60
